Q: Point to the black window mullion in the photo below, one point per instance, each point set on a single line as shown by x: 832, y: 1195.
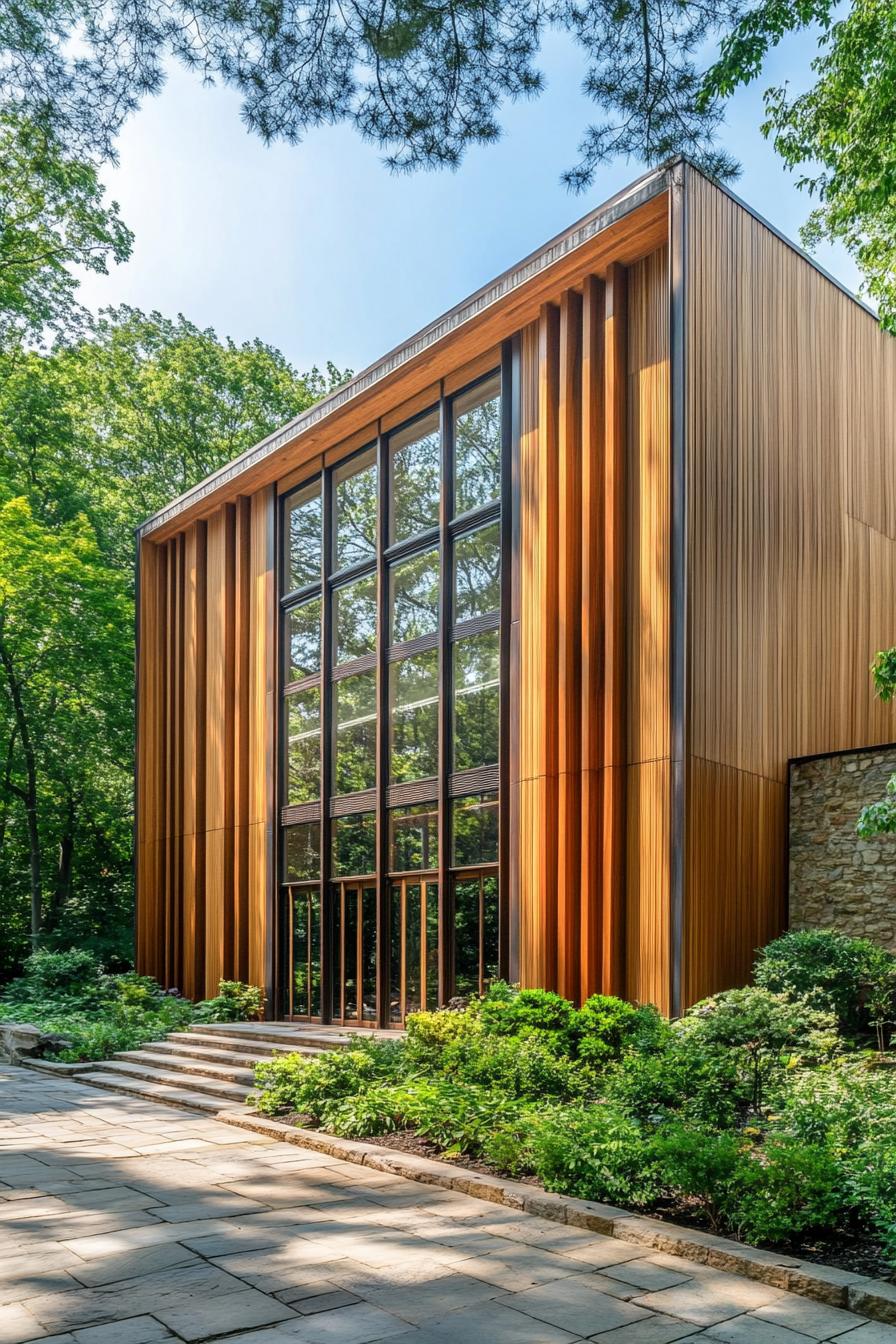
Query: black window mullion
x: 326, y: 753
x: 507, y: 951
x: 446, y: 507
x: 383, y: 923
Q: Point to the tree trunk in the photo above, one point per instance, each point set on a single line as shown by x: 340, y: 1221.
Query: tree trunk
x: 28, y: 794
x: 62, y: 888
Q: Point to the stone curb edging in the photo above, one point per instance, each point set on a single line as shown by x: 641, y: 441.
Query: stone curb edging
x: 56, y: 1067
x: 872, y: 1298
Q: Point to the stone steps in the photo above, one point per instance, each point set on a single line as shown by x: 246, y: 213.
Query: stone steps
x: 208, y: 1067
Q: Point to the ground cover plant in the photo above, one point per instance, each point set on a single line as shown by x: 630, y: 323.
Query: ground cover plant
x: 93, y: 1015
x: 766, y: 1113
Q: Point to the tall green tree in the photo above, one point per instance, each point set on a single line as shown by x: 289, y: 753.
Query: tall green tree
x: 94, y: 435
x: 840, y: 134
x: 53, y: 216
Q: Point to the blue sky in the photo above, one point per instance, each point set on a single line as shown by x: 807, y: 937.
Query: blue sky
x: 321, y: 251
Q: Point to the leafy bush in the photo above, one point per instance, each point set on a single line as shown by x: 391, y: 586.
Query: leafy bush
x: 788, y: 1189
x: 702, y: 1165
x: 852, y: 978
x: 307, y: 1083
x: 531, y: 1066
x: 764, y: 1030
x: 235, y: 1002
x: 685, y: 1079
x: 605, y: 1027
x: 56, y: 976
x: 595, y: 1152
x: 504, y: 1011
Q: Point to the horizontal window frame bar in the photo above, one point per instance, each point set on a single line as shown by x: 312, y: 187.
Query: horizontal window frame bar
x: 397, y: 653
x: 420, y: 541
x: 299, y: 814
x: 362, y: 569
x: 366, y: 663
x: 299, y: 596
x: 474, y: 520
x: 308, y: 683
x: 411, y: 792
x: 352, y: 804
x: 479, y: 779
x: 475, y: 625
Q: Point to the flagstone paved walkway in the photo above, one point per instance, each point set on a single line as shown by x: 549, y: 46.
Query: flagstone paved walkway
x: 126, y: 1222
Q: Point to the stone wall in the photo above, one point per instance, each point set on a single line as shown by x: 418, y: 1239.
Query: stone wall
x: 837, y: 880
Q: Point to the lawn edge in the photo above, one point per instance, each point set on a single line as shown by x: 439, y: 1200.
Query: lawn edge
x: 874, y: 1299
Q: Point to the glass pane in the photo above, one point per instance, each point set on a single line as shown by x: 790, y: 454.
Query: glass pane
x: 301, y: 852
x: 414, y: 696
x: 314, y: 920
x: 476, y: 696
x: 412, y: 947
x: 414, y: 597
x: 368, y: 954
x: 415, y: 456
x: 474, y: 838
x: 477, y: 447
x: 489, y: 929
x: 477, y: 573
x: 395, y: 954
x: 303, y: 538
x: 353, y: 841
x: 432, y: 945
x: 303, y: 640
x: 350, y: 950
x: 354, y: 619
x: 355, y: 712
x: 354, y: 522
x: 466, y: 936
x: 303, y: 746
x: 301, y: 971
x: 336, y: 1007
x: 413, y: 838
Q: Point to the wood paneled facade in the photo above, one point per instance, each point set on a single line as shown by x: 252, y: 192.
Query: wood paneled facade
x: 700, y: 520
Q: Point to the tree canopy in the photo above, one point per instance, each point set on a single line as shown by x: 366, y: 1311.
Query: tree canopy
x: 94, y: 435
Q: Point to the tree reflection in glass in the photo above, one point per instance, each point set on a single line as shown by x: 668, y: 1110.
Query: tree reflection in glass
x: 355, y: 710
x: 477, y: 573
x: 354, y: 619
x: 303, y: 747
x: 355, y: 512
x: 303, y: 640
x: 416, y: 479
x: 303, y: 538
x: 414, y: 589
x: 477, y: 447
x: 476, y: 696
x: 414, y: 697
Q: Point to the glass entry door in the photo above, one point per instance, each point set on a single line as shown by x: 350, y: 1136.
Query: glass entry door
x: 354, y: 952
x: 413, y: 946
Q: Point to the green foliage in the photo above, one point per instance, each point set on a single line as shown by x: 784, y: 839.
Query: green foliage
x: 701, y: 1165
x: 838, y: 133
x: 235, y: 1002
x: 765, y: 1032
x: 52, y: 217
x: 605, y: 1027
x: 852, y: 978
x: 504, y: 1011
x: 880, y: 818
x: 790, y: 1189
x: 306, y: 1084
x: 94, y: 436
x: 684, y: 1079
x: 595, y: 1152
x: 68, y: 994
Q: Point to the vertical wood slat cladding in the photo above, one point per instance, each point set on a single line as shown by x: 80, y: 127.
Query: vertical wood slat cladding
x: 791, y: 415
x: 204, y: 760
x: 593, y: 765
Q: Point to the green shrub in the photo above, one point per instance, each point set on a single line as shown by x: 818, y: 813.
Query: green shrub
x: 595, y: 1152
x: 54, y: 976
x: 308, y: 1083
x: 685, y: 1078
x: 765, y: 1031
x: 852, y: 978
x: 532, y: 1066
x: 604, y: 1027
x: 234, y: 1002
x: 505, y: 1011
x: 700, y: 1164
x: 785, y: 1191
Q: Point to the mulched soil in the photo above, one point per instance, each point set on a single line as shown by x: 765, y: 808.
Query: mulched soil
x: 840, y: 1252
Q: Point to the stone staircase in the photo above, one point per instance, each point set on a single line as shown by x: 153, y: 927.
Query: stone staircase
x: 208, y: 1068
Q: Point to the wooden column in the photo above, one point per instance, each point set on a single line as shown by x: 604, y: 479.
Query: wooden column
x: 613, y: 630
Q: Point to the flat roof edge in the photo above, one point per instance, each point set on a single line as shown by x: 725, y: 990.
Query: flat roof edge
x: 641, y: 191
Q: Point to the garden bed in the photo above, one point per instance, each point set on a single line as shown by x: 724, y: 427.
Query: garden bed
x: 764, y: 1116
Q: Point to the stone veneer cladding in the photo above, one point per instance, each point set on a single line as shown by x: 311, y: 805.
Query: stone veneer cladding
x: 836, y: 879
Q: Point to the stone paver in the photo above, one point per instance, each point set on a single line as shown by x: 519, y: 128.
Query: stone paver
x: 123, y: 1221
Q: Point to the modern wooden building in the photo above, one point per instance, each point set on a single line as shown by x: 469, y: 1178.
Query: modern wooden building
x: 492, y: 661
